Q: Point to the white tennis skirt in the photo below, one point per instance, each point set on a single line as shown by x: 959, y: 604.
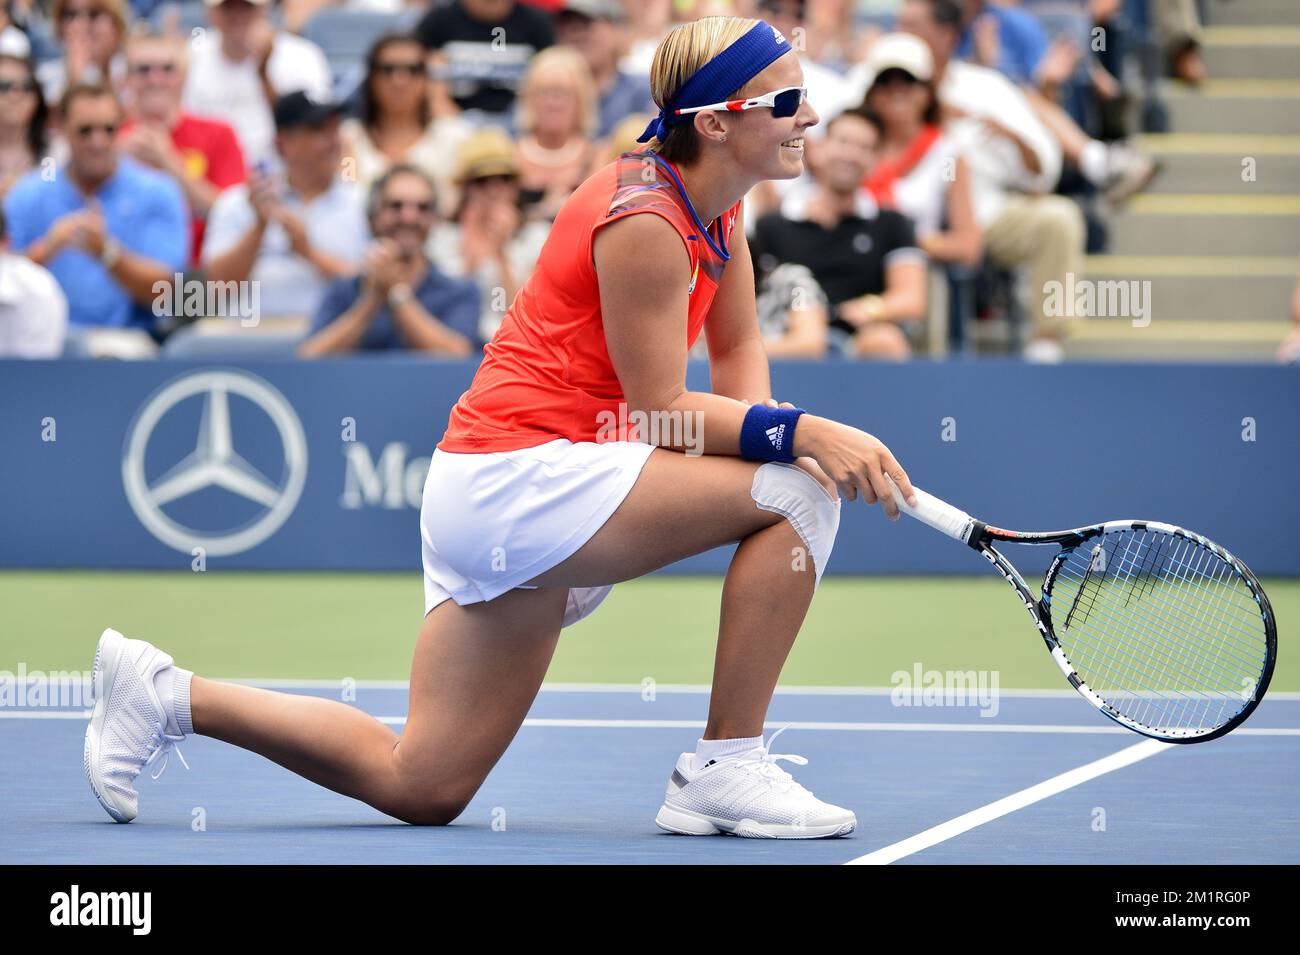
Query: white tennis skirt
x: 491, y: 521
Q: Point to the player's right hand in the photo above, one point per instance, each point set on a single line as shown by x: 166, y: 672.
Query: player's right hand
x: 857, y: 462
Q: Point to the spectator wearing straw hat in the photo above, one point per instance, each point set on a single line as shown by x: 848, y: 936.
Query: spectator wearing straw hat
x: 487, y: 239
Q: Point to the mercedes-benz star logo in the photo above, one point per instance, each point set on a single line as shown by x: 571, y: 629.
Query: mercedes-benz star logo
x: 214, y: 462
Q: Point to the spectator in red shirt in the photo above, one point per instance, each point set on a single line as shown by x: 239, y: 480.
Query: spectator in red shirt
x: 202, y: 155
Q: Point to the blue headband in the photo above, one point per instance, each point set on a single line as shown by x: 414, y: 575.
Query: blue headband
x: 721, y: 76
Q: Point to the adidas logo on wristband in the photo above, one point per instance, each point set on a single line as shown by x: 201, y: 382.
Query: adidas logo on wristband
x: 776, y: 435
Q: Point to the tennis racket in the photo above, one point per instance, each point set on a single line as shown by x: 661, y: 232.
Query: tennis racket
x: 1161, y: 629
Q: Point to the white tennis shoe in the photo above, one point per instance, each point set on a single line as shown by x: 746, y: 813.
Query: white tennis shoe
x: 129, y: 728
x: 748, y: 795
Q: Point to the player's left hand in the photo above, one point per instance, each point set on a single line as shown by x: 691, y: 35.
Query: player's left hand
x: 808, y: 464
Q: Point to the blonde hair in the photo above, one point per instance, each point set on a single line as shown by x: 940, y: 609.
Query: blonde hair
x: 567, y: 62
x: 116, y: 9
x: 679, y: 55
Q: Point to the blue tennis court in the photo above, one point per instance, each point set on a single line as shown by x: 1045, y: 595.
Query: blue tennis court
x: 1045, y: 779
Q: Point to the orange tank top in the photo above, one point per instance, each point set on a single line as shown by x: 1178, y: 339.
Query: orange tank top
x: 546, y: 373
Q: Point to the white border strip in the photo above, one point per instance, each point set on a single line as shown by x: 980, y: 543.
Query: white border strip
x: 1009, y: 804
x: 584, y: 723
x: 637, y: 688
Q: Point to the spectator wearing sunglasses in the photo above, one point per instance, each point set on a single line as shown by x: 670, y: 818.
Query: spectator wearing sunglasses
x: 292, y: 232
x: 107, y: 227
x: 201, y: 155
x: 400, y: 300
x: 487, y: 240
x: 23, y: 120
x: 918, y: 169
x: 557, y: 119
x: 91, y: 33
x: 396, y: 123
x: 241, y: 65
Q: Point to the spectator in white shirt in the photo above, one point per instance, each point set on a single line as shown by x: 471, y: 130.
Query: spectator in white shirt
x: 1014, y: 164
x: 33, y: 309
x: 293, y: 234
x: 242, y: 64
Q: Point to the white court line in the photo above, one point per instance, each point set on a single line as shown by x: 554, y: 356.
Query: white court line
x: 771, y: 724
x: 289, y: 683
x: 1009, y: 804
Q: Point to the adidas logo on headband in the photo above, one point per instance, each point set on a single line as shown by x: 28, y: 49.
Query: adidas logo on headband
x: 777, y: 35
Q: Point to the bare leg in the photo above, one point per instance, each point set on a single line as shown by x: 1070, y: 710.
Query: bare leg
x: 476, y: 672
x: 477, y: 668
x: 684, y: 505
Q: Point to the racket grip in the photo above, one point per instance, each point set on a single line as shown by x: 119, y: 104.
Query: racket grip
x: 940, y: 515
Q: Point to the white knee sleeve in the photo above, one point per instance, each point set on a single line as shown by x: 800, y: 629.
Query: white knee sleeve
x: 795, y: 494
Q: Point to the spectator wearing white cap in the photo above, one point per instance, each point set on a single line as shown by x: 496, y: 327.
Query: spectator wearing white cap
x: 291, y: 234
x: 919, y: 170
x: 241, y: 64
x: 1014, y: 164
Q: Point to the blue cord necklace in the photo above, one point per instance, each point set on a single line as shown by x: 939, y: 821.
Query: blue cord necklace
x: 720, y: 252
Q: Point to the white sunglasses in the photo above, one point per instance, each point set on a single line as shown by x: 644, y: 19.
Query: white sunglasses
x: 782, y: 102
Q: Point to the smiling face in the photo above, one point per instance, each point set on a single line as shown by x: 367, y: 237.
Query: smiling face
x: 92, y: 23
x: 91, y: 123
x: 846, y: 154
x: 762, y: 145
x: 397, y: 81
x: 405, y: 212
x: 312, y: 151
x: 897, y: 97
x: 155, y: 74
x: 17, y: 93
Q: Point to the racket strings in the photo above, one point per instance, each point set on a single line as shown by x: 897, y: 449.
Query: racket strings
x: 1179, y: 658
x: 1160, y: 627
x: 1146, y: 659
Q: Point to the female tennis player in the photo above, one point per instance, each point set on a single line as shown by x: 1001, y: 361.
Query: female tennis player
x: 539, y: 498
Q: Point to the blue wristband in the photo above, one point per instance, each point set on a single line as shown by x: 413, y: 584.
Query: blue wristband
x: 768, y: 433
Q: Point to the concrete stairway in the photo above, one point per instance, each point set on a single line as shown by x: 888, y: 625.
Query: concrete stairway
x: 1218, y: 234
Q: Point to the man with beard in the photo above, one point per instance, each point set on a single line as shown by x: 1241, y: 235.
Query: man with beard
x: 400, y: 299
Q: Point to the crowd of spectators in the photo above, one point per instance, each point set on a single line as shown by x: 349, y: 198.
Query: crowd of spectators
x: 400, y: 201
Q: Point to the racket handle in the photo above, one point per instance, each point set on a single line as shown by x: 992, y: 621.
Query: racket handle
x: 940, y: 515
